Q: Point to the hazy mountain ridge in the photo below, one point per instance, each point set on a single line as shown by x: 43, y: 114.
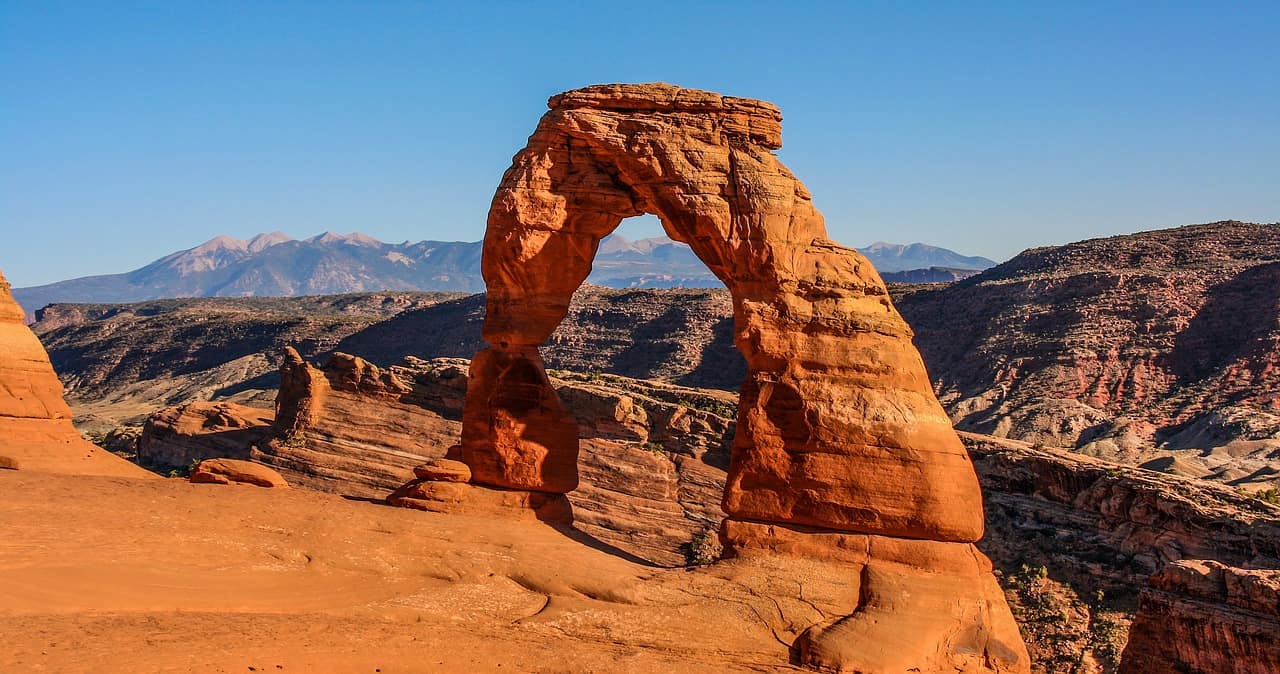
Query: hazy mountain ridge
x: 895, y: 257
x: 276, y: 265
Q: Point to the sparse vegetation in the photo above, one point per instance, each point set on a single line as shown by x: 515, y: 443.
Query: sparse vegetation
x: 708, y: 404
x: 704, y: 548
x: 1271, y: 496
x: 655, y: 448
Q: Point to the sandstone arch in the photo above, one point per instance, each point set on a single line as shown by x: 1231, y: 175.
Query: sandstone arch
x: 842, y: 451
x: 838, y: 428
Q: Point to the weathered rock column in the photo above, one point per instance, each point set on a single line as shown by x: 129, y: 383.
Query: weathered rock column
x: 842, y: 452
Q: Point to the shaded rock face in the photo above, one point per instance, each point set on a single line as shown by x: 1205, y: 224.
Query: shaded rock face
x: 177, y: 436
x: 1118, y: 524
x: 35, y: 422
x: 838, y: 427
x: 1204, y: 616
x: 1078, y: 538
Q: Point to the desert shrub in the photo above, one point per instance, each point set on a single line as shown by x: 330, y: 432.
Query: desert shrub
x: 705, y: 548
x: 655, y: 448
x: 1271, y: 496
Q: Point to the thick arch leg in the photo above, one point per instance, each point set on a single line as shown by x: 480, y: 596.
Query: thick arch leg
x: 515, y: 433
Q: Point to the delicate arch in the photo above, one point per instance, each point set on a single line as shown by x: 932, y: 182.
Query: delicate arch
x: 838, y: 426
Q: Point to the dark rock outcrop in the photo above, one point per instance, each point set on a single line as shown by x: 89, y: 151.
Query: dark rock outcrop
x: 1206, y: 617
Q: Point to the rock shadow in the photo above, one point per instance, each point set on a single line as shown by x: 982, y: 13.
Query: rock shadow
x: 1233, y: 324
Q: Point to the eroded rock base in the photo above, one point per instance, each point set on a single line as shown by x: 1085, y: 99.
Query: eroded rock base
x: 921, y: 606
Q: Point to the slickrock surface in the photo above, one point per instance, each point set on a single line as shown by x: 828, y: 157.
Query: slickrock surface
x: 117, y: 575
x: 838, y: 427
x: 1203, y: 616
x: 176, y: 436
x: 235, y: 471
x: 1160, y: 347
x: 35, y: 422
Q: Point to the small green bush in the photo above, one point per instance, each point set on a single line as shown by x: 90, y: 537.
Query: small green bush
x: 1271, y: 496
x: 704, y: 549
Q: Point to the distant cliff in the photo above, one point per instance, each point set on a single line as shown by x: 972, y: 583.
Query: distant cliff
x: 1159, y: 347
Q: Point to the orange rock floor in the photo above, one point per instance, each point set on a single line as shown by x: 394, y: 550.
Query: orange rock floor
x: 110, y: 574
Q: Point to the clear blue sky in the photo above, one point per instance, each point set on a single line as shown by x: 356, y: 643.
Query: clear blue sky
x: 129, y: 129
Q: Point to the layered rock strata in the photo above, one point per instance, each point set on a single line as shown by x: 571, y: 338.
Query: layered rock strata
x: 175, y: 437
x: 1161, y: 346
x: 35, y: 422
x: 1204, y: 616
x: 358, y: 429
x: 838, y: 428
x: 1115, y: 523
x: 1078, y: 538
x: 653, y: 461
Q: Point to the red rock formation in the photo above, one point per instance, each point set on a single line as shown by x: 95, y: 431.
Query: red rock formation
x: 235, y: 471
x: 358, y: 429
x: 176, y: 436
x: 1206, y: 617
x: 838, y: 427
x: 35, y: 422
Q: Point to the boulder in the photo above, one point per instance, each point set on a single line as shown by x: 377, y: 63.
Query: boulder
x: 235, y: 471
x: 443, y: 470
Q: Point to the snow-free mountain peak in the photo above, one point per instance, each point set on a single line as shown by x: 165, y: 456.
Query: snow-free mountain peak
x: 275, y: 264
x: 352, y: 239
x: 262, y: 242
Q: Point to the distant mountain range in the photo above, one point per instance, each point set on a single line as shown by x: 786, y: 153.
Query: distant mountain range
x: 277, y: 265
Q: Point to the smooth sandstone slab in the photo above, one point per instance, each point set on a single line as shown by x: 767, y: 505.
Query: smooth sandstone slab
x: 236, y: 471
x: 476, y: 500
x: 35, y: 422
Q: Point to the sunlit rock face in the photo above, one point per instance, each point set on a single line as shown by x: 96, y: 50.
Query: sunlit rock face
x: 35, y: 422
x: 841, y: 452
